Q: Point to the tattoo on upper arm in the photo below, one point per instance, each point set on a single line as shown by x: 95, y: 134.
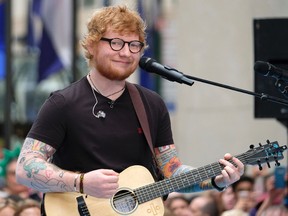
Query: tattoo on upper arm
x: 37, y: 147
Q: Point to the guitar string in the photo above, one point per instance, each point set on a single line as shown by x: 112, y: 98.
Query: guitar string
x: 176, y: 180
x: 145, y: 192
x: 241, y: 157
x: 190, y: 176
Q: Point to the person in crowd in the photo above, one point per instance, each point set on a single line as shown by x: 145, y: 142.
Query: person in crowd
x: 7, y: 207
x: 226, y: 199
x: 6, y: 155
x: 273, y: 199
x: 28, y: 207
x: 177, y: 204
x: 13, y: 189
x: 89, y: 132
x: 245, y: 198
x: 274, y: 210
x: 204, y: 204
x: 260, y: 180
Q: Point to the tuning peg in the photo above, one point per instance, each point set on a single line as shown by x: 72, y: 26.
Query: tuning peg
x: 267, y: 161
x: 268, y: 141
x: 260, y: 144
x: 259, y: 165
x: 277, y: 163
x: 251, y: 146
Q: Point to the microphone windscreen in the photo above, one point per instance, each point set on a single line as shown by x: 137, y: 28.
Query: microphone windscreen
x: 261, y: 67
x: 145, y: 63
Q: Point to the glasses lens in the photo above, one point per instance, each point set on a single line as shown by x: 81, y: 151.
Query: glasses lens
x: 117, y: 44
x: 135, y: 46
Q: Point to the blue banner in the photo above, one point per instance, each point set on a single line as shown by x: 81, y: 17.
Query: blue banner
x: 55, y: 40
x: 149, y: 80
x: 2, y: 41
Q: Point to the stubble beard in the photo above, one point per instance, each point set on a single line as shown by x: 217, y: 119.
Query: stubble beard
x: 112, y: 73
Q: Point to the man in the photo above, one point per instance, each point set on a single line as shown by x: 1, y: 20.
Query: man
x: 91, y: 126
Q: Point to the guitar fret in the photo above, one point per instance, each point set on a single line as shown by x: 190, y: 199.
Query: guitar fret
x: 202, y: 173
x: 147, y: 195
x: 184, y: 181
x: 196, y: 175
x: 168, y: 185
x: 209, y: 172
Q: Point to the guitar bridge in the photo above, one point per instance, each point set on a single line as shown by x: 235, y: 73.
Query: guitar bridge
x: 82, y: 207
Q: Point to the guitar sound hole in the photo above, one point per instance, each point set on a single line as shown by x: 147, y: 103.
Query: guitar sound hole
x: 124, y: 202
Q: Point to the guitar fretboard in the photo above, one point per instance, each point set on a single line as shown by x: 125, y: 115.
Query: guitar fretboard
x: 176, y: 183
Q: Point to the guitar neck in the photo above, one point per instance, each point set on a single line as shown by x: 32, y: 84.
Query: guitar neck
x: 176, y: 183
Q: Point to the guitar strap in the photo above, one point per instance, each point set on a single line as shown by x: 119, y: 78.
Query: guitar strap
x: 142, y: 117
x: 141, y: 113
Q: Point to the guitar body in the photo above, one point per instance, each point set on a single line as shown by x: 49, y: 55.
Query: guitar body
x: 61, y: 204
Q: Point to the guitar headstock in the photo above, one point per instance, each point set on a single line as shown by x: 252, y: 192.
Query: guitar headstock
x: 270, y: 152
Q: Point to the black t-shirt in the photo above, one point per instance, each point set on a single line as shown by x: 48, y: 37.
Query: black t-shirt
x: 84, y: 142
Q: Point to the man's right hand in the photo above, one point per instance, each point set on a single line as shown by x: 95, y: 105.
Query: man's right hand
x: 101, y: 183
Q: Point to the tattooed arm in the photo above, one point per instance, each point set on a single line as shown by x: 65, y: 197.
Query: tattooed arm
x: 35, y: 171
x: 170, y: 165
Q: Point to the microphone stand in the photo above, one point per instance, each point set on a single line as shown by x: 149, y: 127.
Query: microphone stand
x: 262, y: 96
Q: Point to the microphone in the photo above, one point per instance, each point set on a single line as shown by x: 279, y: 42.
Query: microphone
x: 100, y: 114
x: 166, y: 72
x: 267, y: 69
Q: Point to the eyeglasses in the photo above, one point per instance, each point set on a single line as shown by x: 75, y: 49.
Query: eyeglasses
x: 117, y: 44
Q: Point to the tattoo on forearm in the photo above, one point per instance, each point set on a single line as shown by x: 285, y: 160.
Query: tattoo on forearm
x: 170, y: 165
x: 167, y: 160
x: 45, y: 177
x: 41, y: 175
x: 33, y: 166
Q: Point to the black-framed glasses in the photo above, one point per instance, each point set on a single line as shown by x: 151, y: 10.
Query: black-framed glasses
x: 117, y: 44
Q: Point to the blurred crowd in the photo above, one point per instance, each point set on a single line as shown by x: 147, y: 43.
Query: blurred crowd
x: 15, y: 199
x: 256, y: 194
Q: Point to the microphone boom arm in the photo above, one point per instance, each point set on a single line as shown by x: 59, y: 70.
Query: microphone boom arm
x: 174, y: 75
x: 262, y: 96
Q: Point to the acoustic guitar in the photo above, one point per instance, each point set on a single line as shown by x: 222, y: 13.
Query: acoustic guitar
x: 139, y: 195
